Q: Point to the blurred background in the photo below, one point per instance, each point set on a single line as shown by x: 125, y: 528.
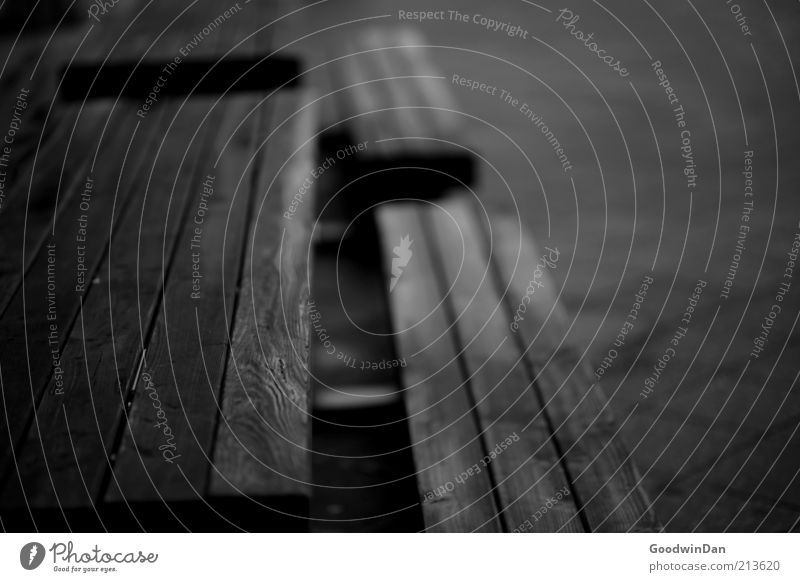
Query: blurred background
x: 716, y: 438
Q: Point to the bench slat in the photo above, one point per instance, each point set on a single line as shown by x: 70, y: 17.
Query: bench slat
x: 103, y: 352
x: 44, y: 184
x: 25, y: 328
x: 443, y: 427
x: 263, y: 441
x: 116, y: 160
x: 528, y: 473
x: 186, y: 353
x: 46, y: 176
x: 191, y: 367
x: 607, y: 484
x: 64, y: 462
x: 98, y: 136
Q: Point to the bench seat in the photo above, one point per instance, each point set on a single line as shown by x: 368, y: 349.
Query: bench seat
x: 509, y: 430
x: 155, y: 314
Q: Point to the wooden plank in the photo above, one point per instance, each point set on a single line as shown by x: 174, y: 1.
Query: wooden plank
x: 136, y: 80
x: 48, y: 163
x: 606, y: 483
x: 190, y: 395
x: 45, y: 180
x: 516, y: 255
x: 25, y: 116
x: 443, y: 427
x: 65, y: 464
x: 122, y: 34
x: 605, y: 477
x: 44, y: 184
x: 263, y: 442
x: 40, y: 316
x: 527, y: 470
x: 91, y: 189
x: 263, y: 434
x: 183, y: 367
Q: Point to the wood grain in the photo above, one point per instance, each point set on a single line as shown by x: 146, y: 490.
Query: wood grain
x: 185, y: 355
x: 443, y: 426
x: 44, y: 311
x: 263, y: 442
x: 65, y: 464
x: 65, y: 456
x: 607, y: 484
x: 55, y: 147
x: 529, y: 472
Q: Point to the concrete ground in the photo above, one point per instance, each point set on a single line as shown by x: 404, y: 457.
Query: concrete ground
x: 716, y: 437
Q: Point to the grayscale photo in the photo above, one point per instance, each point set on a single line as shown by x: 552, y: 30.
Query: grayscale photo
x: 446, y: 266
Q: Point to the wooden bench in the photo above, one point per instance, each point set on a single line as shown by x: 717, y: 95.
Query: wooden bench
x: 152, y: 295
x: 509, y: 430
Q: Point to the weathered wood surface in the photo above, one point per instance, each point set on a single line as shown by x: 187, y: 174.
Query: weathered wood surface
x: 139, y: 321
x: 606, y: 483
x: 263, y: 440
x: 95, y: 205
x: 468, y: 280
x: 176, y: 388
x: 83, y: 167
x: 104, y: 350
x: 56, y: 145
x: 194, y: 330
x: 39, y: 318
x: 528, y: 472
x: 182, y: 369
x: 445, y: 433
